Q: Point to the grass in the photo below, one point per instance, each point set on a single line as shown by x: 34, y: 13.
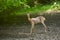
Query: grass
x: 35, y: 9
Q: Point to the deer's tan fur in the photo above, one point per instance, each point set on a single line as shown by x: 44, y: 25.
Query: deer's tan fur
x: 33, y: 21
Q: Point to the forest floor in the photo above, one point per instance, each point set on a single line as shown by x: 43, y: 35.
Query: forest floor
x: 13, y: 32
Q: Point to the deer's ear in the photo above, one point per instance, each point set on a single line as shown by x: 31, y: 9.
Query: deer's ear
x: 28, y: 14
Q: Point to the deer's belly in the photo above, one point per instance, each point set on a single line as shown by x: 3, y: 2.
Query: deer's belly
x: 36, y: 20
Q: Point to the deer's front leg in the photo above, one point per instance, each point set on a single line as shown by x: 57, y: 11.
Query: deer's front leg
x: 44, y: 26
x: 32, y: 27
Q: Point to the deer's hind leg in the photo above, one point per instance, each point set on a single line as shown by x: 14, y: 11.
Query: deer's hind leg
x: 44, y: 26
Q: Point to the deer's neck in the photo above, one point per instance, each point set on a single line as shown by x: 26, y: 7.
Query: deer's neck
x: 28, y: 17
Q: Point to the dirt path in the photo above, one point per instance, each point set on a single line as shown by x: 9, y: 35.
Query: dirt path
x: 12, y: 32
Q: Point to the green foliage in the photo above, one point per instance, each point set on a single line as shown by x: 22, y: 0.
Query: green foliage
x: 12, y: 7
